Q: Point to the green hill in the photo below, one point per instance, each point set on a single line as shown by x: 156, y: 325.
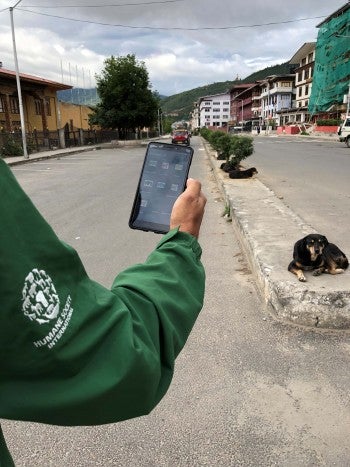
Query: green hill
x: 181, y: 105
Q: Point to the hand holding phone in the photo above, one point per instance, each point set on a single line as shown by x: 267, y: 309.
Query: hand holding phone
x: 188, y: 210
x: 163, y: 178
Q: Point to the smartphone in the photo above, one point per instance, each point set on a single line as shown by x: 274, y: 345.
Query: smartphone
x: 163, y: 178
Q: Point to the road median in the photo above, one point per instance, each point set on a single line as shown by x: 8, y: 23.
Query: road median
x: 267, y: 230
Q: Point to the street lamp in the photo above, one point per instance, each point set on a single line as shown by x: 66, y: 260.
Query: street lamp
x: 19, y: 92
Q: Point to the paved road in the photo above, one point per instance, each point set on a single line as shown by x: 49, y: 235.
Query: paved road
x: 313, y: 178
x: 247, y: 390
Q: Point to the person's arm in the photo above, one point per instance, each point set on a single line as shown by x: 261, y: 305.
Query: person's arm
x: 107, y: 355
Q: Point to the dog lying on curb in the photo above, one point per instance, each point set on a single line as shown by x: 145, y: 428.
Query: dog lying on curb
x: 242, y: 173
x: 315, y: 253
x: 227, y: 167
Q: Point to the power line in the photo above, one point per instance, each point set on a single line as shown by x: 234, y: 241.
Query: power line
x: 103, y: 6
x: 172, y: 28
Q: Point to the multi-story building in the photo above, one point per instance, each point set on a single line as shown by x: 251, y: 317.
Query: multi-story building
x: 304, y: 58
x: 331, y: 78
x: 277, y: 96
x: 39, y: 102
x: 245, y: 104
x: 41, y: 108
x: 214, y: 111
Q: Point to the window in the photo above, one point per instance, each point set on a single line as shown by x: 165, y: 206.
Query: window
x: 307, y: 90
x: 285, y: 84
x: 47, y: 106
x: 226, y: 103
x: 206, y: 103
x: 207, y: 110
x: 2, y: 104
x: 225, y: 110
x: 311, y: 57
x: 300, y: 91
x: 216, y: 103
x: 225, y: 116
x: 303, y: 62
x: 300, y: 76
x: 306, y: 74
x: 37, y: 103
x: 14, y: 105
x: 216, y: 110
x: 16, y: 124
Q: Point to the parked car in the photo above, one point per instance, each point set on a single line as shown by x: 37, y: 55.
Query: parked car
x: 344, y: 131
x: 180, y: 137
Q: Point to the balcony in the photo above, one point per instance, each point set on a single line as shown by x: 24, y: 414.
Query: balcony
x: 278, y: 90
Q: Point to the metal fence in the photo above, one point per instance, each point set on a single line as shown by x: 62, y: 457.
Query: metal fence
x: 45, y: 140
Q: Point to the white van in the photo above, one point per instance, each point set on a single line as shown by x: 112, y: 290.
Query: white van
x: 344, y: 131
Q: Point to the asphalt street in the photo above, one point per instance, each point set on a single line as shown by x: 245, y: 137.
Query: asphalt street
x: 312, y: 177
x: 248, y: 390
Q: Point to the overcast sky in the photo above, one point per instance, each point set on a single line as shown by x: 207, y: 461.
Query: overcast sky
x: 184, y: 43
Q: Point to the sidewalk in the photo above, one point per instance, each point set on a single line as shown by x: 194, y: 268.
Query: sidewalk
x: 49, y: 154
x: 267, y: 230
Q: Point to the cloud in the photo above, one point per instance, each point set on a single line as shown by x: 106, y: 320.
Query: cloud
x: 177, y: 60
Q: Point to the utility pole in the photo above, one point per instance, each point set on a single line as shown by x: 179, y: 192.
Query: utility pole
x: 19, y: 92
x: 158, y: 122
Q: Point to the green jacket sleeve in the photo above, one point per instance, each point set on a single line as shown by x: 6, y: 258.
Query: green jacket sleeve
x: 73, y: 352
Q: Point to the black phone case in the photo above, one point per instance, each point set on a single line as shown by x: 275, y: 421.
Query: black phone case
x: 169, y: 149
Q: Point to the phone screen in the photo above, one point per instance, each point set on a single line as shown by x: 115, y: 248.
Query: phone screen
x: 163, y: 178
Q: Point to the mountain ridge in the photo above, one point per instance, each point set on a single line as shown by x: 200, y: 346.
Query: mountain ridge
x: 181, y: 104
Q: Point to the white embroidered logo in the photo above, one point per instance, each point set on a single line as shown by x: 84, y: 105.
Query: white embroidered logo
x: 40, y: 301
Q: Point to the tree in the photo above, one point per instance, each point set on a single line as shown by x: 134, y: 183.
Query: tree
x: 126, y: 100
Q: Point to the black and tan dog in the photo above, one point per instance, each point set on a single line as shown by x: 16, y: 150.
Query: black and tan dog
x: 315, y: 253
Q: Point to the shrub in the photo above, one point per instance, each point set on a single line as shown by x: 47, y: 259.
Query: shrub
x: 224, y: 147
x: 329, y: 122
x: 205, y: 132
x: 11, y: 148
x: 214, y: 139
x: 232, y: 148
x: 241, y: 147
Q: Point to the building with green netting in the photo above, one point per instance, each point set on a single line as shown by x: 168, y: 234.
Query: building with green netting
x: 331, y: 79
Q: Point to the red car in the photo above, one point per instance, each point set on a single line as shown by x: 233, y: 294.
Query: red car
x: 180, y: 137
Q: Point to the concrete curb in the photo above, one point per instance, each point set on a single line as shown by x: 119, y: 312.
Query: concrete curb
x: 46, y: 155
x: 267, y: 230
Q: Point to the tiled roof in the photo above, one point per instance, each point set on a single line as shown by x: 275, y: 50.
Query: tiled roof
x: 33, y: 79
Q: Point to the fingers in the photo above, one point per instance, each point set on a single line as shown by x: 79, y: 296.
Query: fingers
x: 188, y: 209
x: 193, y: 187
x: 194, y: 190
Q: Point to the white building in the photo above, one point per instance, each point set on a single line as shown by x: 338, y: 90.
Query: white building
x: 277, y: 96
x: 214, y: 111
x: 305, y: 60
